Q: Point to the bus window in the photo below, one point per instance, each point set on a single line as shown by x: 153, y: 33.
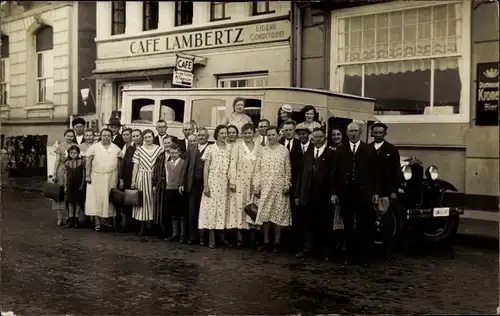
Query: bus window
x: 142, y: 111
x: 172, y: 110
x: 208, y: 112
x: 252, y: 109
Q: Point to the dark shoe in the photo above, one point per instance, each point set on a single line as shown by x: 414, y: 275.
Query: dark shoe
x: 239, y: 245
x: 211, y: 246
x: 69, y: 223
x: 76, y: 223
x: 172, y: 238
x: 226, y: 243
x: 264, y: 247
x: 301, y: 254
x: 202, y: 243
x: 277, y: 248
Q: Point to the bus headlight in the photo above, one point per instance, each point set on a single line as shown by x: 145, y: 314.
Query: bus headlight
x: 432, y: 172
x: 406, y: 172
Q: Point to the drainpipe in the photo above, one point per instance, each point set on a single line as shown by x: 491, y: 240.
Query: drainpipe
x: 296, y: 44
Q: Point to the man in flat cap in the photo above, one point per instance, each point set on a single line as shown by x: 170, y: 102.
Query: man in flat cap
x: 387, y: 164
x: 78, y: 125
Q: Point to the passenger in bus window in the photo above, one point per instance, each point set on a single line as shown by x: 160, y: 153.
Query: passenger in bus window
x: 213, y: 208
x: 310, y: 117
x: 238, y: 118
x: 284, y: 114
x: 232, y: 135
x: 272, y: 181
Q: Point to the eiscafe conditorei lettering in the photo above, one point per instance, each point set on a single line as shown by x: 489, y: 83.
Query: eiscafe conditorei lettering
x: 487, y: 94
x: 249, y: 34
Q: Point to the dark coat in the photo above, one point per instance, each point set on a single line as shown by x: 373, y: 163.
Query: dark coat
x: 156, y: 139
x: 193, y: 171
x: 387, y: 164
x: 118, y: 141
x: 314, y: 178
x: 295, y: 159
x: 127, y: 166
x: 365, y: 177
x: 182, y: 144
x: 159, y: 181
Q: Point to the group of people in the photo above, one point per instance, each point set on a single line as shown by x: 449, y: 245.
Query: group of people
x: 322, y: 199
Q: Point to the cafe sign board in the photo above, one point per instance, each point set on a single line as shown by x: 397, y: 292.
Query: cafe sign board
x: 487, y: 94
x: 197, y: 40
x: 183, y: 73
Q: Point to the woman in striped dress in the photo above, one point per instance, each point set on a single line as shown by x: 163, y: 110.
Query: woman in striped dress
x: 142, y: 178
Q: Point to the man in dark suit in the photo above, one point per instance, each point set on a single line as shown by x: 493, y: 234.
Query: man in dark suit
x: 127, y: 168
x: 161, y: 128
x: 79, y: 128
x: 387, y: 164
x: 312, y: 196
x: 187, y: 129
x: 294, y: 147
x: 193, y: 179
x: 115, y: 125
x: 354, y: 185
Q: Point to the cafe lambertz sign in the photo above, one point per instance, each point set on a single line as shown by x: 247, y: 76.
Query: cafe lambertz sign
x: 211, y: 38
x: 487, y: 94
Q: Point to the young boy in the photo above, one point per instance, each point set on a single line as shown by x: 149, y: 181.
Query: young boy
x: 174, y: 197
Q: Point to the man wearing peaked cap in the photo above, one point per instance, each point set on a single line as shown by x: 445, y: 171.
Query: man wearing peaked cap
x: 78, y: 125
x: 387, y: 166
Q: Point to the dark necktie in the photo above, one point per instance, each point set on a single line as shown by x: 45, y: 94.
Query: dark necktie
x: 288, y: 145
x: 317, y: 153
x: 353, y: 166
x: 354, y: 148
x: 263, y: 142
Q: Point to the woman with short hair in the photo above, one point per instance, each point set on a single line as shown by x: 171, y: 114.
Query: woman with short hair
x: 238, y: 118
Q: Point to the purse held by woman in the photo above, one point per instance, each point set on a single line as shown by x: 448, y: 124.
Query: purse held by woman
x: 251, y: 210
x: 53, y: 191
x: 133, y: 198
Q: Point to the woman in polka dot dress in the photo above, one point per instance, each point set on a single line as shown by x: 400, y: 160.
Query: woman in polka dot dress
x: 213, y: 208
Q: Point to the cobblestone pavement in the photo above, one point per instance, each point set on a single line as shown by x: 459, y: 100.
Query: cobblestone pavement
x: 47, y: 270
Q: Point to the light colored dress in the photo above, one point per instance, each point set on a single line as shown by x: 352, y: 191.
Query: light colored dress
x: 104, y: 176
x: 213, y: 209
x: 59, y: 174
x: 237, y: 121
x: 272, y: 175
x: 145, y: 159
x: 83, y: 148
x: 241, y: 169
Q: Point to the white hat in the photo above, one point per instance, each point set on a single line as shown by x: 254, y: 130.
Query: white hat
x: 287, y: 108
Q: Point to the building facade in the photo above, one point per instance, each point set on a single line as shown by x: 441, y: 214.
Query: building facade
x: 47, y: 47
x: 419, y: 59
x: 234, y: 44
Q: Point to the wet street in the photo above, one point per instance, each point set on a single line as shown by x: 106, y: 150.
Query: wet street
x: 47, y: 270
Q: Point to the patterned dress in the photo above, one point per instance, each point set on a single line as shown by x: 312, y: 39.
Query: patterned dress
x: 272, y: 175
x: 145, y: 159
x: 241, y: 169
x: 60, y: 173
x: 104, y: 176
x: 213, y: 209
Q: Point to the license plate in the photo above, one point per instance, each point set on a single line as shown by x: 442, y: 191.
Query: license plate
x: 441, y: 211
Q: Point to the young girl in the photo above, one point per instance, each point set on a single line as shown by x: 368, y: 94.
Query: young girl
x: 74, y: 184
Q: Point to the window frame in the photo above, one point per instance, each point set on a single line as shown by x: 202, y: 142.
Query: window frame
x: 115, y: 9
x: 4, y: 82
x: 464, y: 56
x: 45, y: 54
x: 147, y: 13
x: 255, y: 8
x: 213, y: 4
x: 254, y: 76
x: 178, y: 13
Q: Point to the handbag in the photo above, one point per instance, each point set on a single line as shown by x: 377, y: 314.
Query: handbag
x: 133, y: 198
x: 53, y: 191
x: 251, y: 210
x: 117, y: 196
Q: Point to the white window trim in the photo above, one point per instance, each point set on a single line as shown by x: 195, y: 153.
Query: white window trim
x: 464, y: 116
x: 45, y: 101
x: 7, y: 79
x: 228, y: 78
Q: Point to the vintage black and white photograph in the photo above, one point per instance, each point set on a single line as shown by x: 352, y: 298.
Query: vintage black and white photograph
x: 249, y: 157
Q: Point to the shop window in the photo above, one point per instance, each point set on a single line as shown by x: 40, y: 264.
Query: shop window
x: 218, y: 11
x: 417, y: 52
x: 208, y: 112
x: 172, y: 110
x: 45, y: 64
x: 151, y: 12
x: 261, y: 7
x: 118, y: 17
x: 183, y: 13
x: 252, y: 109
x: 142, y: 111
x: 248, y: 81
x: 4, y: 71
